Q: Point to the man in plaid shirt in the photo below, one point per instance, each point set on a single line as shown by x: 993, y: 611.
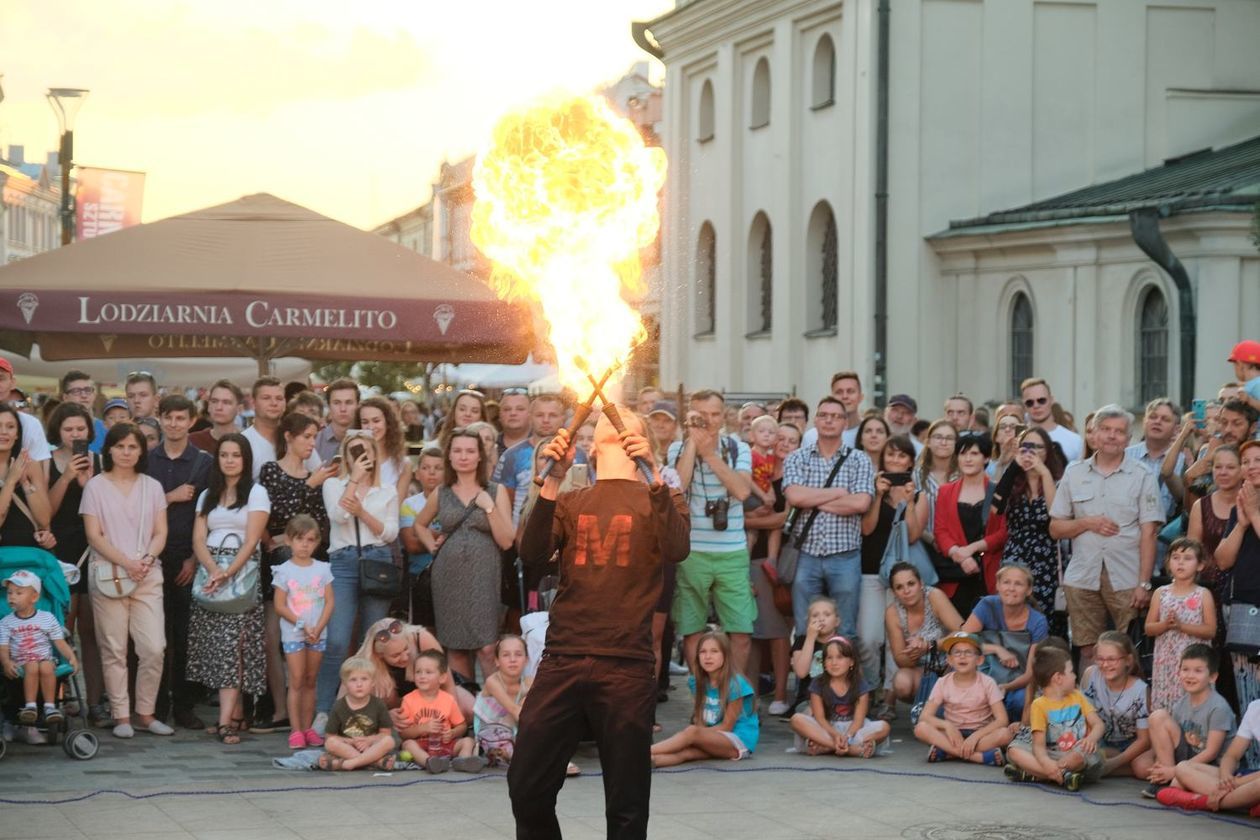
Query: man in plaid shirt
x: 831, y: 556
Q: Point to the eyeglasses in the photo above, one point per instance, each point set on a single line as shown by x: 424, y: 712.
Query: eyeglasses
x: 1108, y: 660
x: 1014, y: 424
x: 942, y: 438
x: 81, y: 391
x: 1029, y: 403
x: 382, y: 636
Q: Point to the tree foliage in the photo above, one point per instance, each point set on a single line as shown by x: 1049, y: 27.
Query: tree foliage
x: 387, y: 376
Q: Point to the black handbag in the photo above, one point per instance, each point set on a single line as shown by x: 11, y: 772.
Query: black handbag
x: 1242, y: 626
x: 377, y: 578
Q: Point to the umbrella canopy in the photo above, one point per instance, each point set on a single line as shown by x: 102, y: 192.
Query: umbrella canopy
x: 257, y: 277
x: 185, y: 371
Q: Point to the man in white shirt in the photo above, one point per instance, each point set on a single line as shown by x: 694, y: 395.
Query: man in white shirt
x: 1038, y: 403
x: 1159, y: 428
x: 33, y: 440
x: 268, y: 394
x: 846, y: 386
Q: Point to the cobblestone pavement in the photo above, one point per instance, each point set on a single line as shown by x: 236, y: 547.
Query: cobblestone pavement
x: 190, y: 786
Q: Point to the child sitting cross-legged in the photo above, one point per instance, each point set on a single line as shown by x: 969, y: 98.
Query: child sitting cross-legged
x: 838, y: 702
x: 1065, y: 729
x: 1194, y: 730
x: 1119, y: 697
x: 974, y: 724
x: 436, y: 734
x: 1202, y: 787
x: 358, y: 732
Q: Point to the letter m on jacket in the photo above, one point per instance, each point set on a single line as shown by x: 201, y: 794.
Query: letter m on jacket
x: 597, y: 548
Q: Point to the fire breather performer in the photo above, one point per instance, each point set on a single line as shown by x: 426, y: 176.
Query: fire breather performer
x: 597, y: 674
x: 567, y: 196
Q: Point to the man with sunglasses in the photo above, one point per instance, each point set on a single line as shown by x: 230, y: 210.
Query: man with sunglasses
x: 597, y: 675
x: 1038, y: 404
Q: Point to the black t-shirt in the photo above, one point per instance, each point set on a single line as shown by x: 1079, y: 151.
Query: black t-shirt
x: 613, y: 538
x: 874, y: 543
x: 1246, y: 586
x: 761, y: 547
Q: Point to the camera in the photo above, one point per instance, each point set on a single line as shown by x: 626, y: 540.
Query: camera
x: 717, y: 509
x: 695, y: 421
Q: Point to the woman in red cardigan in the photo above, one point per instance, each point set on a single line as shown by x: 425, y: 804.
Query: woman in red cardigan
x: 966, y: 532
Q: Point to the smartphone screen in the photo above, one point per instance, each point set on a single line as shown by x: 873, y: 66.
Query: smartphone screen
x: 1198, y: 410
x: 79, y: 447
x: 897, y: 479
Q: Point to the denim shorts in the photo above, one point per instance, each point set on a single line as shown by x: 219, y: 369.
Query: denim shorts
x: 301, y: 645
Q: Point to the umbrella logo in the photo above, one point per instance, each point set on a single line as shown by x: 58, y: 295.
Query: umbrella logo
x: 28, y: 302
x: 444, y: 314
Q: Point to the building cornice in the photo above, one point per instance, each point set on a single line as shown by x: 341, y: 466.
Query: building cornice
x: 706, y: 24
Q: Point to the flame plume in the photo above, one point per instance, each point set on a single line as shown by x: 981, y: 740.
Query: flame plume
x: 566, y: 196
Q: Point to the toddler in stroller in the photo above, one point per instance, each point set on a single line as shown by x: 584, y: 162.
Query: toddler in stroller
x: 27, y: 638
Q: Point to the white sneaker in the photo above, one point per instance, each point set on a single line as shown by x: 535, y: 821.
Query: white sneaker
x: 157, y: 727
x: 779, y: 707
x: 124, y: 730
x: 34, y: 736
x: 320, y: 723
x: 677, y: 670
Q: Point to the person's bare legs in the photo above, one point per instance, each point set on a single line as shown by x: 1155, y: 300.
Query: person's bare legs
x: 485, y: 658
x: 741, y: 646
x: 275, y: 662
x: 780, y: 661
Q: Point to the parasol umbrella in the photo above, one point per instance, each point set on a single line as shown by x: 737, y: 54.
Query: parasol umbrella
x: 259, y: 277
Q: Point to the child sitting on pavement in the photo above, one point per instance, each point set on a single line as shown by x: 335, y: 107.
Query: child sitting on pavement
x: 1119, y: 697
x: 435, y: 736
x: 358, y: 732
x: 839, y: 701
x: 974, y: 726
x: 1202, y: 787
x: 1194, y: 730
x: 1065, y: 729
x: 822, y: 622
x: 27, y: 638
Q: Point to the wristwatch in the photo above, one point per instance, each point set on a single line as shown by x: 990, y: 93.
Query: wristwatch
x: 1146, y: 584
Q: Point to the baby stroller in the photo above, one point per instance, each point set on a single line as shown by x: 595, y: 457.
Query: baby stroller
x: 74, y: 734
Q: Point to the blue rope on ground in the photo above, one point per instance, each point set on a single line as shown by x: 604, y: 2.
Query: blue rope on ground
x: 1217, y: 817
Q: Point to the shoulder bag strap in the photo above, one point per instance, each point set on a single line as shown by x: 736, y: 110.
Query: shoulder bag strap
x: 468, y: 511
x: 813, y: 514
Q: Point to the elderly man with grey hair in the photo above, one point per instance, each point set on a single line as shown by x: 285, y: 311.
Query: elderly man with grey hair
x: 1109, y: 507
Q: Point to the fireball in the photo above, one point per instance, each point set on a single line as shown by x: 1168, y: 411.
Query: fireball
x: 566, y: 196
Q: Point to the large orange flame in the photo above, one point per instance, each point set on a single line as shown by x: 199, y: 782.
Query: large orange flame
x: 566, y: 198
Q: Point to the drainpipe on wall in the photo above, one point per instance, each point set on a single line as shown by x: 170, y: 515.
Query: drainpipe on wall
x: 881, y: 208
x: 1144, y: 224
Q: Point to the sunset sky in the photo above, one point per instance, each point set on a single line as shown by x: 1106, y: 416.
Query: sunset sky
x: 348, y: 108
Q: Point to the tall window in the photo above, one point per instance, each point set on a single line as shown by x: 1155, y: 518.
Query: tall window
x: 760, y: 110
x: 823, y: 91
x: 822, y: 267
x: 704, y: 121
x: 1152, y: 345
x: 1021, y: 341
x: 760, y: 275
x: 706, y: 281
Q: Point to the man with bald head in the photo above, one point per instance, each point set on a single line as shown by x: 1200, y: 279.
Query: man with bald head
x: 598, y: 675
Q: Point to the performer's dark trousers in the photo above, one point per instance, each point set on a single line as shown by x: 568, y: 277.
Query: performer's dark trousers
x: 608, y: 697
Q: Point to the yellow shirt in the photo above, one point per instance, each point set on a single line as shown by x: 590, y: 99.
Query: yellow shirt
x: 1063, y: 721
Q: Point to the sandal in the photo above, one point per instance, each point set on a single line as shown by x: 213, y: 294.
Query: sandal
x: 227, y: 734
x: 328, y: 761
x: 385, y: 763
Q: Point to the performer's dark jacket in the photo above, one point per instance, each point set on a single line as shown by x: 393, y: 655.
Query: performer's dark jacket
x: 613, y: 538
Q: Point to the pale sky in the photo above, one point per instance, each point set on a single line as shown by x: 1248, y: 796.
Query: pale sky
x: 345, y: 106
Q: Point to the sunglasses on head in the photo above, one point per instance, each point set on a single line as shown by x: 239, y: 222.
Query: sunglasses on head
x: 395, y: 627
x: 515, y: 391
x: 1029, y: 403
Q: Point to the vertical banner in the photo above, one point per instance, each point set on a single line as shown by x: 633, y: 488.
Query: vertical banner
x: 107, y: 200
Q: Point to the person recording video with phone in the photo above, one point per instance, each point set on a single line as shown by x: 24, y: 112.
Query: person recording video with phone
x: 715, y: 471
x: 363, y: 521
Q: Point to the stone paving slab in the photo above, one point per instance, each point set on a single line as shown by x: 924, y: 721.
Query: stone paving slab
x: 190, y: 786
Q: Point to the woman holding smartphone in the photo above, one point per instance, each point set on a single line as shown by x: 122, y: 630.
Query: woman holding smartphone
x: 362, y: 522
x: 71, y: 430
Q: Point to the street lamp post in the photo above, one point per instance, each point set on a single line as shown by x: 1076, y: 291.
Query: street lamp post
x: 65, y: 103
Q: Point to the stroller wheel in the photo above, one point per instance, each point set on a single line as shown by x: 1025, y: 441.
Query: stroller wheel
x: 81, y: 744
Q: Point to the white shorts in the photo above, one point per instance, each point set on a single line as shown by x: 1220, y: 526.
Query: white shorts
x: 741, y: 751
x: 870, y: 728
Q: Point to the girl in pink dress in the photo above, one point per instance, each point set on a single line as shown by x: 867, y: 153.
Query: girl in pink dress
x: 1180, y: 614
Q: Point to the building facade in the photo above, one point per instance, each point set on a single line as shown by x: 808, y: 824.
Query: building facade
x: 774, y: 238
x: 30, y: 202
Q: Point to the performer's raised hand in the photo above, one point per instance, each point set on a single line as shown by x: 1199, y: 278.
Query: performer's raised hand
x: 562, y: 452
x: 636, y: 445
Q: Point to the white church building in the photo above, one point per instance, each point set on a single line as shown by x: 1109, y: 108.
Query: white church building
x: 950, y: 195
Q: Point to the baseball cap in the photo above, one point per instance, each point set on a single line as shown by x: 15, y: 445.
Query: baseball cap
x: 24, y: 578
x: 959, y: 638
x: 665, y: 407
x: 115, y: 403
x: 6, y: 365
x: 906, y: 400
x: 1246, y: 351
